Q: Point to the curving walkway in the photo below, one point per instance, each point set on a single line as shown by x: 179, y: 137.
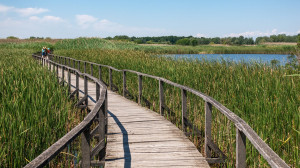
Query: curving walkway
x: 139, y: 137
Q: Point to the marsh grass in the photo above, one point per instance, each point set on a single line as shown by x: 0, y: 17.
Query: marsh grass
x: 35, y: 111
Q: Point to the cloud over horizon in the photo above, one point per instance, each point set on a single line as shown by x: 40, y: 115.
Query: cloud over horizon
x: 22, y: 11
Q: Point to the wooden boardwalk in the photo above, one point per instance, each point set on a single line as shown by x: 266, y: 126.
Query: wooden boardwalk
x: 139, y: 137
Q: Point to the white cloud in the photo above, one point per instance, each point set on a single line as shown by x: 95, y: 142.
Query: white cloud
x: 46, y: 19
x: 30, y: 11
x: 5, y: 8
x: 258, y: 33
x: 22, y: 11
x: 200, y: 35
x: 85, y: 20
x: 104, y: 26
x: 298, y: 32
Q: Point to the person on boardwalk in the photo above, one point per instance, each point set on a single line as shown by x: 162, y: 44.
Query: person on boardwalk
x: 44, y: 52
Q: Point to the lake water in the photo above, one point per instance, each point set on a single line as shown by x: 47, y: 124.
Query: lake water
x: 261, y: 58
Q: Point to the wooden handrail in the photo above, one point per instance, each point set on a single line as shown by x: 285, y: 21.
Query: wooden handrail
x: 243, y: 130
x: 83, y: 128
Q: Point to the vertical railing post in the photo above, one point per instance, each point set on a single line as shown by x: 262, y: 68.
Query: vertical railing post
x: 69, y: 61
x: 161, y: 98
x: 240, y: 149
x: 57, y: 73
x: 140, y: 79
x: 101, y: 122
x: 84, y: 67
x: 91, y: 69
x: 77, y: 85
x: 78, y: 65
x: 124, y: 83
x: 63, y: 75
x: 85, y: 149
x: 208, y: 120
x: 110, y: 78
x: 65, y: 61
x: 86, y: 89
x: 100, y: 73
x: 97, y: 91
x: 73, y: 63
x: 183, y: 109
x: 69, y: 81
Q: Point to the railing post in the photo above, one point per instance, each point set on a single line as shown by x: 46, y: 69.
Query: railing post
x: 140, y: 89
x: 161, y: 98
x: 101, y: 121
x: 91, y: 69
x: 100, y: 73
x: 57, y: 73
x: 208, y: 119
x: 110, y: 78
x: 124, y: 83
x: 78, y: 65
x: 69, y: 81
x: 97, y: 91
x: 183, y: 109
x: 69, y: 62
x: 84, y: 67
x: 240, y: 149
x: 63, y: 75
x: 77, y: 85
x: 86, y: 89
x: 73, y: 63
x: 65, y: 61
x: 85, y: 149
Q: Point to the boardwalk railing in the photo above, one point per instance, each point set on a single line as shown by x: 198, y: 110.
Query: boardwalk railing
x: 243, y: 130
x: 97, y: 115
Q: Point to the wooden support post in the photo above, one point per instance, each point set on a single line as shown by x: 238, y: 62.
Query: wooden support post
x: 110, y: 78
x: 57, y: 73
x: 74, y: 64
x: 86, y: 89
x: 240, y: 149
x: 65, y: 61
x: 63, y: 75
x: 101, y: 127
x: 92, y: 69
x: 100, y: 73
x: 84, y: 67
x: 85, y: 149
x: 69, y: 81
x: 97, y: 91
x: 77, y: 85
x: 69, y: 62
x: 124, y: 83
x: 78, y: 65
x: 183, y: 109
x: 161, y: 98
x: 208, y: 119
x: 140, y: 79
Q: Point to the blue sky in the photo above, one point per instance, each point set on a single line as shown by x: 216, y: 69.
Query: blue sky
x: 99, y: 18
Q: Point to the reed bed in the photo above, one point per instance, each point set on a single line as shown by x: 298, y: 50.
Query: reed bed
x: 34, y: 108
x: 266, y: 98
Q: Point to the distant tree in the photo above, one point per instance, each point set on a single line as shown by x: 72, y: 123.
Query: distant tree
x: 12, y: 37
x: 193, y: 42
x: 184, y: 41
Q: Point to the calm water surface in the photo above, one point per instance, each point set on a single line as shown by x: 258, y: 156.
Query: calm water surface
x: 261, y: 58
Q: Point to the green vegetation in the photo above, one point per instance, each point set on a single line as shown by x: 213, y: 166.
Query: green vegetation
x: 34, y: 109
x: 266, y: 98
x: 193, y: 41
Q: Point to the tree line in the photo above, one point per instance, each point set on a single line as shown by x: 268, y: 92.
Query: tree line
x: 193, y: 41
